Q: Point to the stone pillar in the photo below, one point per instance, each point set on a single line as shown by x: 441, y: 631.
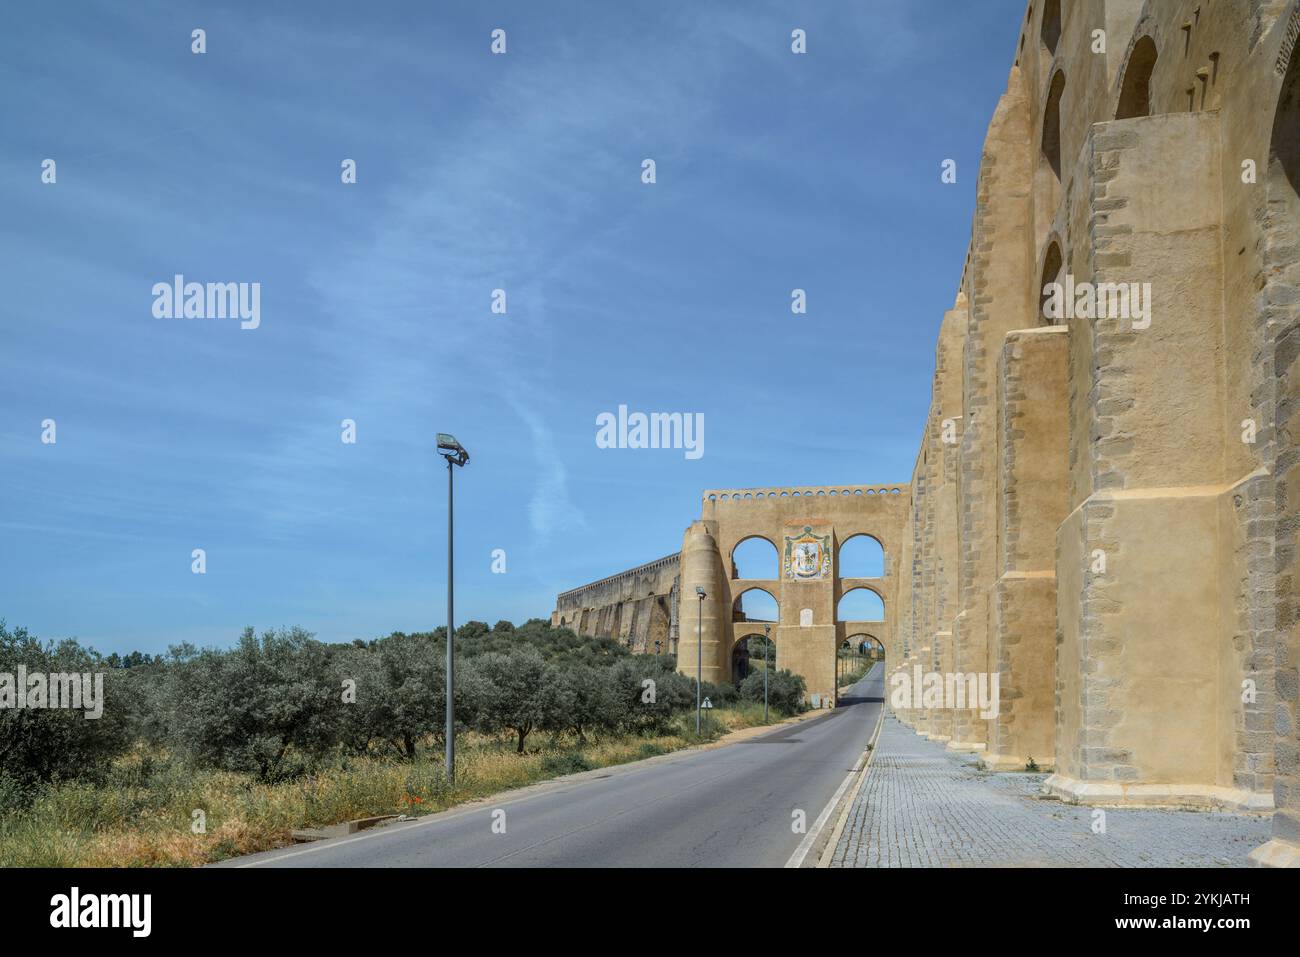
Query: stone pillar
x: 1149, y: 687
x: 998, y: 305
x: 1278, y: 312
x: 945, y: 554
x: 916, y: 571
x: 810, y: 649
x: 710, y: 620
x: 1034, y: 447
x: 905, y: 636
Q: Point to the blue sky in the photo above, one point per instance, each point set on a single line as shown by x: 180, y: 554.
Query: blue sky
x: 474, y: 172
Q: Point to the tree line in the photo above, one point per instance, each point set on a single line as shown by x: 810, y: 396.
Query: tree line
x: 278, y: 704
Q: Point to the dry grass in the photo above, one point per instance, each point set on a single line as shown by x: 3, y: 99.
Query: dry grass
x: 143, y: 816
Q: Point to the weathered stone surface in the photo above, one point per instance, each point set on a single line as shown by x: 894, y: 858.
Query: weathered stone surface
x: 1105, y: 503
x: 638, y: 607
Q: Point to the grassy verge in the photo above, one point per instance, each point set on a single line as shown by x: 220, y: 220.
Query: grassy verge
x: 144, y: 814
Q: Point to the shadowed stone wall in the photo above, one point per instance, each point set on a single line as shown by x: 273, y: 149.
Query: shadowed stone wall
x: 637, y: 607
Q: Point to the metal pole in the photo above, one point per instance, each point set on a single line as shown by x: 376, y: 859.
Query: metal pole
x: 450, y: 731
x: 699, y: 662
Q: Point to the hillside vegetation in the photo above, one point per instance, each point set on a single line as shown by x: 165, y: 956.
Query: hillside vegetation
x: 206, y: 753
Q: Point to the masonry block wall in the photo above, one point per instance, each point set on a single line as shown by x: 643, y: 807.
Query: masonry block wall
x: 1032, y: 441
x: 1104, y: 508
x: 1125, y: 483
x: 637, y: 607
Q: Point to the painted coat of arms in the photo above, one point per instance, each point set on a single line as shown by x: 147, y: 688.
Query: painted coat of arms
x: 807, y: 556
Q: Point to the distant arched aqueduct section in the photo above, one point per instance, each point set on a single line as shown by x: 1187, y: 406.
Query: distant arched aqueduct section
x: 658, y: 601
x: 637, y: 607
x: 807, y: 632
x: 861, y: 640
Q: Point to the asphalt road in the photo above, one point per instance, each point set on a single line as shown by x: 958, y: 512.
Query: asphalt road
x: 725, y: 807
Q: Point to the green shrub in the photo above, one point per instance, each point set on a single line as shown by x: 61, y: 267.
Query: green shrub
x: 581, y: 698
x: 514, y: 693
x: 40, y: 745
x: 15, y: 794
x: 649, y: 708
x: 722, y: 694
x: 270, y: 707
x: 571, y: 762
x: 785, y: 691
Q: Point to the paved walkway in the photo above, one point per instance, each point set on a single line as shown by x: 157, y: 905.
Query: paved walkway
x: 924, y: 806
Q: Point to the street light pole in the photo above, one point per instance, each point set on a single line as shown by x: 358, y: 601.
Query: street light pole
x: 699, y: 657
x: 767, y: 657
x: 452, y: 451
x: 450, y: 717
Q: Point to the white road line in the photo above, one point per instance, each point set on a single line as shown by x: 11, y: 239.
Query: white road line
x: 869, y: 754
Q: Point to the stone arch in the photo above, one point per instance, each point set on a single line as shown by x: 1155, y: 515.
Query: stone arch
x: 852, y: 659
x: 738, y: 614
x: 747, y: 651
x: 1135, y: 88
x: 1050, y: 31
x: 860, y: 555
x: 1051, y: 141
x: 769, y: 558
x: 1053, y: 263
x: 842, y: 613
x: 862, y: 639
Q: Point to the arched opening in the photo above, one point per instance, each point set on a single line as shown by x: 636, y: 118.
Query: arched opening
x: 860, y: 604
x: 755, y: 604
x: 1135, y: 92
x: 856, y: 656
x: 1052, y: 124
x: 861, y: 556
x: 865, y: 644
x: 751, y: 655
x: 1052, y: 263
x: 755, y: 557
x: 1051, y: 31
x: 1284, y: 162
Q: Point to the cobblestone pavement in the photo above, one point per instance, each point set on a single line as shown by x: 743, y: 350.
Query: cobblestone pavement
x: 924, y: 806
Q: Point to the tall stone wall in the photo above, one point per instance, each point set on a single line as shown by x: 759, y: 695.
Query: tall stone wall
x: 637, y: 607
x: 1104, y: 510
x: 1110, y: 523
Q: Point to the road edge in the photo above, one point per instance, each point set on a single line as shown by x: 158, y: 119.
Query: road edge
x: 818, y: 838
x: 511, y: 796
x: 824, y: 860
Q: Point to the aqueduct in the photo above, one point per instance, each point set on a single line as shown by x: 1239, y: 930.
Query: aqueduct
x: 1104, y: 508
x: 806, y: 527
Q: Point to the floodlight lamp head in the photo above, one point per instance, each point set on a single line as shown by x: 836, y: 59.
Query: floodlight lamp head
x: 451, y: 450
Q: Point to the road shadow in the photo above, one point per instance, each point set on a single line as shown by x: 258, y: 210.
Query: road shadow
x: 860, y: 698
